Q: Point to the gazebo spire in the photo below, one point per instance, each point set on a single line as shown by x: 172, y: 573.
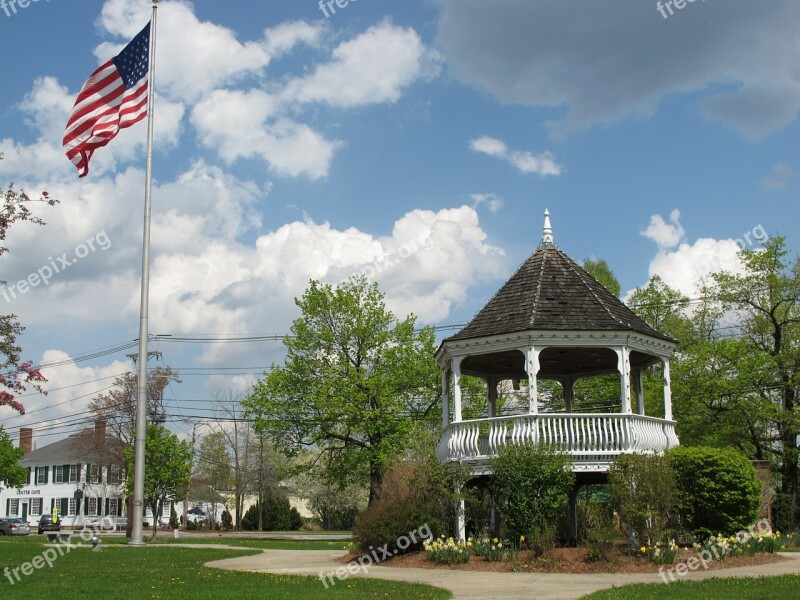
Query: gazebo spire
x: 547, y: 232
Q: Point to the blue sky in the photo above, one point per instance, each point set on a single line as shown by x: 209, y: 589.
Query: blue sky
x: 417, y: 141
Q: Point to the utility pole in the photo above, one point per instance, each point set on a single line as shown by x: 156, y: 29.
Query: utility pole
x: 188, y: 487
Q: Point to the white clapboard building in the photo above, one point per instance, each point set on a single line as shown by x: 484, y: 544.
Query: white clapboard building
x: 80, y: 475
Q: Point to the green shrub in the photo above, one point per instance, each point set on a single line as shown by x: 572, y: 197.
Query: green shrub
x: 174, y: 523
x: 718, y: 490
x: 276, y: 514
x: 600, y: 543
x: 412, y: 495
x: 783, y: 516
x: 531, y: 486
x: 642, y: 489
x: 595, y: 511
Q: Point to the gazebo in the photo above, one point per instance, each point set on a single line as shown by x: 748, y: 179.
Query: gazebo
x: 550, y: 325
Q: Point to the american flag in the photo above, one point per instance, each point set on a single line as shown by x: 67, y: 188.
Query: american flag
x: 114, y: 97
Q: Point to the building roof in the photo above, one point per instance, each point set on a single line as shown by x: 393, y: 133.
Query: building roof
x: 550, y: 291
x: 80, y: 447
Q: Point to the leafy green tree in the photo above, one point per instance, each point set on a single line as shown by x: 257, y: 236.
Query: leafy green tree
x: 766, y: 298
x: 599, y: 269
x: 168, y: 465
x: 214, y: 468
x: 531, y: 486
x: 355, y: 382
x: 15, y: 373
x: 10, y: 471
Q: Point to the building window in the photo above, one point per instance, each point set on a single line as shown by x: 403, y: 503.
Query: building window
x: 72, y: 507
x: 41, y: 475
x: 92, y: 507
x: 114, y: 474
x: 36, y: 507
x: 94, y: 474
x: 13, y: 507
x: 113, y: 506
x: 73, y: 473
x: 58, y: 474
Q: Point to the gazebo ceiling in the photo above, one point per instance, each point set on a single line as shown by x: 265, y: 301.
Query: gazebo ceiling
x: 554, y: 362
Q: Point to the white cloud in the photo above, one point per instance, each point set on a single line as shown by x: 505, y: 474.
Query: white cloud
x: 687, y: 265
x: 493, y: 202
x: 70, y: 389
x: 526, y: 162
x: 666, y: 235
x: 778, y: 178
x: 597, y: 65
x: 245, y: 124
x: 372, y: 68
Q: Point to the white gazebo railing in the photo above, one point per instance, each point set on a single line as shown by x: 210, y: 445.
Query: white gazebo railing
x: 593, y: 440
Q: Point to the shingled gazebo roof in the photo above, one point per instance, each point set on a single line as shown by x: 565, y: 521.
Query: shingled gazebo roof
x: 550, y: 291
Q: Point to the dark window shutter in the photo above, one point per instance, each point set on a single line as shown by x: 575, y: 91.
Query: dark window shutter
x: 29, y: 475
x: 46, y: 474
x: 8, y: 505
x: 64, y: 506
x: 36, y: 475
x: 52, y: 504
x: 105, y: 512
x: 65, y: 473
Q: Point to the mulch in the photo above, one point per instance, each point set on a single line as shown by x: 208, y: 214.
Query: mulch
x: 569, y: 560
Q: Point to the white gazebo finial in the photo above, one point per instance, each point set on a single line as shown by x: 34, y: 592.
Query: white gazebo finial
x: 547, y: 233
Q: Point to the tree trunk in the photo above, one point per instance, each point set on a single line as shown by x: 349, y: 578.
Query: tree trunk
x: 789, y: 470
x: 375, y: 480
x: 129, y: 520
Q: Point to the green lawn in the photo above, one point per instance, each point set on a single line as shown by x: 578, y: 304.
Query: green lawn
x: 744, y: 588
x: 119, y: 571
x: 256, y: 543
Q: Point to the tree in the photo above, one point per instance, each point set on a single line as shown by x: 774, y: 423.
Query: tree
x: 168, y: 467
x: 354, y: 383
x: 14, y: 374
x: 214, y: 468
x: 766, y: 298
x: 599, y: 269
x: 10, y: 471
x: 118, y: 406
x: 237, y: 434
x: 334, y: 505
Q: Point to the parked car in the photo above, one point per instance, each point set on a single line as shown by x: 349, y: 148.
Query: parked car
x: 46, y: 524
x: 14, y: 527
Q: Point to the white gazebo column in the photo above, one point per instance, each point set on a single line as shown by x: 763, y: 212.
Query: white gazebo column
x: 532, y: 368
x: 445, y: 400
x: 461, y: 524
x: 624, y: 365
x: 491, y: 383
x: 667, y: 391
x: 568, y: 388
x: 456, y: 363
x: 638, y: 389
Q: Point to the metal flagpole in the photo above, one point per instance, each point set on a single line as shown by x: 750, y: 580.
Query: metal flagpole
x: 137, y: 538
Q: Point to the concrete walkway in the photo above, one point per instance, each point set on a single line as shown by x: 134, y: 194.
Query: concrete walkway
x: 478, y: 584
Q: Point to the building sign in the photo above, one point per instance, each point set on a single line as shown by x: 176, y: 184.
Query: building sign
x: 29, y: 492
